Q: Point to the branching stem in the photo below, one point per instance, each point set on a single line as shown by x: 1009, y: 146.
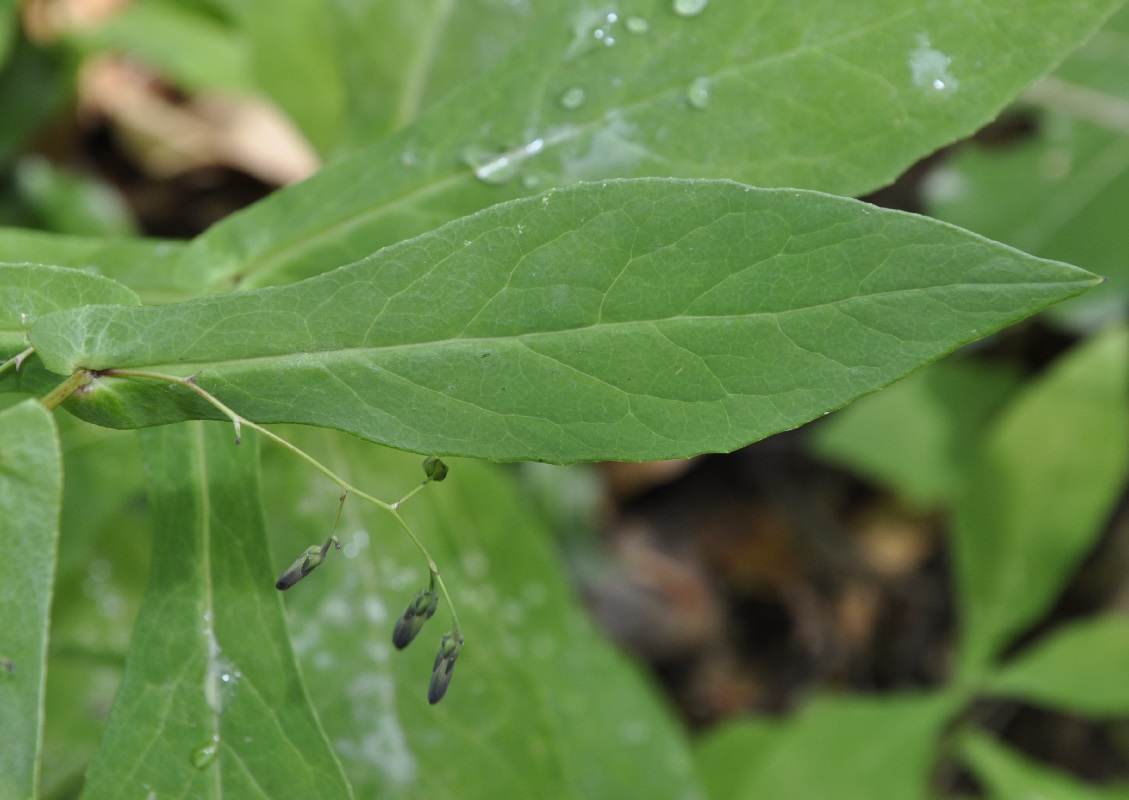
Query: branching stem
x: 239, y: 421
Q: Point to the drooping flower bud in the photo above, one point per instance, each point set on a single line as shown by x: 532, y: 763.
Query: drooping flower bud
x: 419, y: 611
x: 305, y: 564
x: 444, y: 665
x: 434, y: 469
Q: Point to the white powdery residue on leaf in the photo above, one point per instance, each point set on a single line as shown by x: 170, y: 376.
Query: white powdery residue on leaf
x: 929, y: 67
x: 381, y: 741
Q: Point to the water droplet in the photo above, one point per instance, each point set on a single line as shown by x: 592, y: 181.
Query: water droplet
x: 637, y: 25
x: 498, y: 168
x: 409, y: 159
x: 205, y: 754
x: 573, y: 99
x: 530, y: 181
x: 690, y: 8
x: 698, y: 95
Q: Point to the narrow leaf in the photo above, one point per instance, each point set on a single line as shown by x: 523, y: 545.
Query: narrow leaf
x: 1078, y: 669
x: 819, y: 95
x: 629, y: 320
x: 211, y: 703
x: 30, y: 494
x: 540, y: 704
x: 1038, y: 494
x: 1009, y: 776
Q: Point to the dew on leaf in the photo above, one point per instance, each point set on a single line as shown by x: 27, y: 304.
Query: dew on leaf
x: 698, y: 95
x: 498, y: 168
x: 205, y: 754
x: 929, y: 67
x: 572, y: 99
x: 689, y: 8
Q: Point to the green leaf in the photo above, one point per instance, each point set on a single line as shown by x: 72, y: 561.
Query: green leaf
x: 104, y: 550
x: 195, y: 50
x: 726, y: 754
x: 211, y: 703
x: 540, y: 705
x: 296, y: 61
x: 918, y: 434
x: 30, y: 493
x: 1079, y: 668
x: 628, y: 320
x: 1065, y: 192
x: 67, y: 202
x: 427, y: 49
x: 1009, y: 776
x: 829, y: 96
x: 847, y: 748
x: 1038, y: 494
x: 148, y: 266
x: 28, y: 291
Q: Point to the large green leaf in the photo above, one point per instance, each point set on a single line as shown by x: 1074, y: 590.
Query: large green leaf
x: 1007, y: 775
x: 629, y: 320
x: 30, y: 493
x: 839, y: 97
x: 1079, y: 668
x: 147, y: 266
x: 211, y: 703
x: 427, y: 49
x: 1038, y: 493
x: 540, y: 705
x: 1065, y: 192
x: 104, y: 548
x: 840, y: 748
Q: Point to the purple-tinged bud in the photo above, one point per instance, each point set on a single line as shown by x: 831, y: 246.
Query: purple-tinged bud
x: 445, y: 659
x: 419, y: 611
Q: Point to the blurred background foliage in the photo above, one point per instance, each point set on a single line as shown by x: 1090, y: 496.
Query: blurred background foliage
x: 926, y: 589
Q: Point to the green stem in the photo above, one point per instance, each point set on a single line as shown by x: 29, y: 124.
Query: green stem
x: 346, y: 488
x: 65, y: 389
x: 16, y: 360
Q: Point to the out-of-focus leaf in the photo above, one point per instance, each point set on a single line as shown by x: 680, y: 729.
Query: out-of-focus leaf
x: 845, y: 748
x: 9, y: 14
x: 727, y: 754
x: 1065, y: 192
x: 30, y: 493
x: 148, y: 266
x: 917, y: 435
x: 539, y: 704
x: 1078, y: 669
x: 1038, y: 493
x: 631, y: 320
x: 33, y: 85
x: 297, y: 62
x: 211, y: 703
x: 194, y: 50
x: 1009, y: 776
x: 834, y: 96
x: 63, y: 202
x: 103, y: 567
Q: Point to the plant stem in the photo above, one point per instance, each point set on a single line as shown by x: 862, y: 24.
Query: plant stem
x: 16, y: 360
x: 346, y: 488
x: 65, y: 389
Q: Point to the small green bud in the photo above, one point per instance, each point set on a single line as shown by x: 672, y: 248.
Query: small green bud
x: 444, y: 665
x: 419, y: 611
x: 305, y: 564
x: 434, y: 469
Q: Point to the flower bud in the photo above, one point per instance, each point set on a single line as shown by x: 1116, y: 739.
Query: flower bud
x: 419, y: 611
x: 444, y: 665
x: 434, y: 469
x: 305, y: 564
